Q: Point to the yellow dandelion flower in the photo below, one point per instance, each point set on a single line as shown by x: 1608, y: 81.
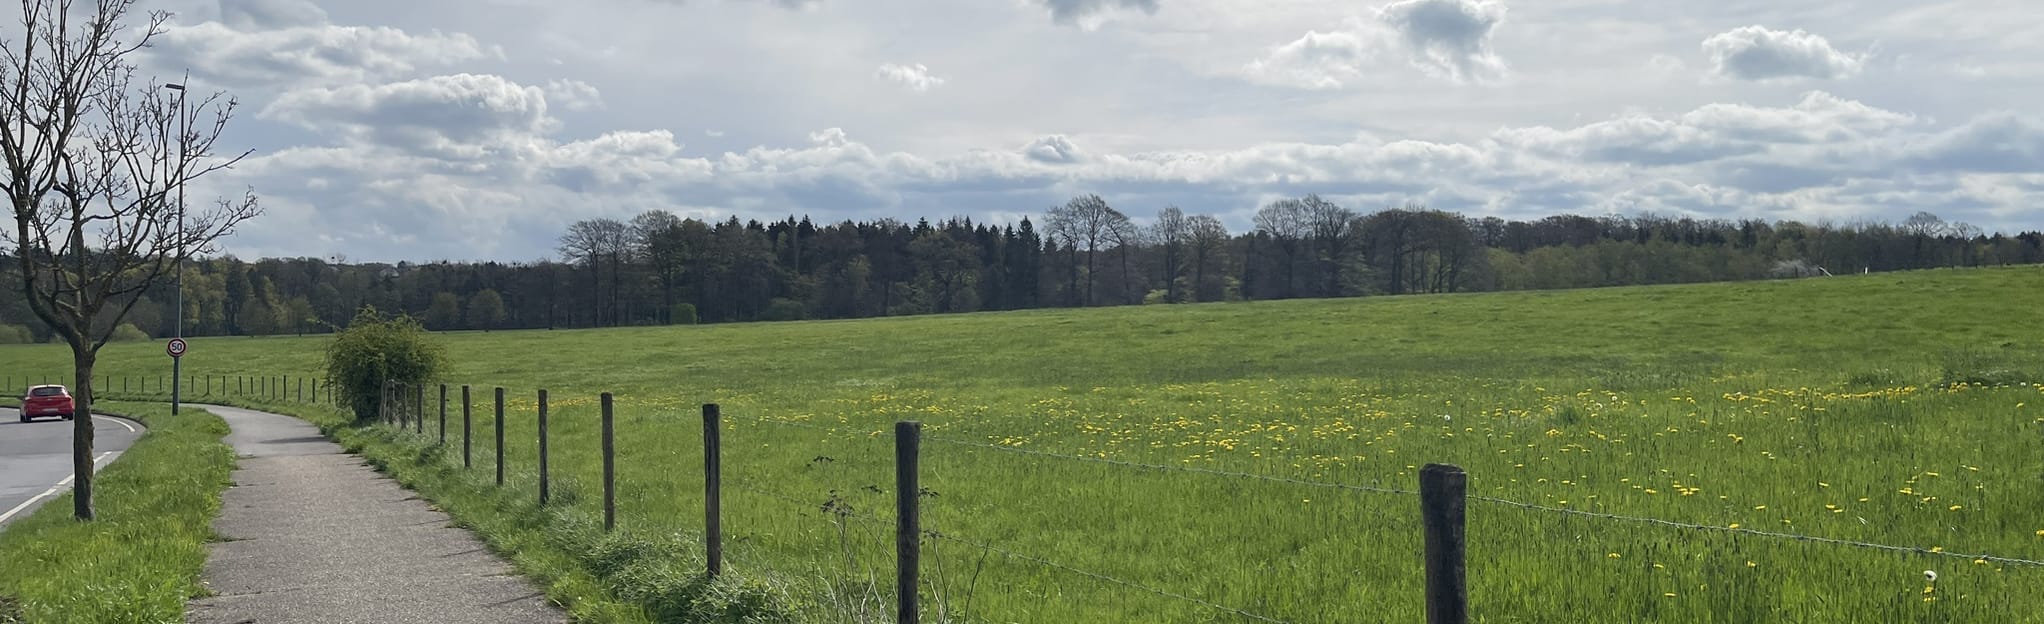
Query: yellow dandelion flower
x: 1736, y: 525
x: 1751, y: 564
x: 1668, y: 595
x: 1612, y: 556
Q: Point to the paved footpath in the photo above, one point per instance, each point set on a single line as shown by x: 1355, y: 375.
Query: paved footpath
x: 312, y: 534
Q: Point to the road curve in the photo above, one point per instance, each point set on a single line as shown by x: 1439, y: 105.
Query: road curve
x: 35, y: 458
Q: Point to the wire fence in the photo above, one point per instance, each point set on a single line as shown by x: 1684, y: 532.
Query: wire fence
x: 264, y: 388
x: 407, y: 409
x: 830, y: 507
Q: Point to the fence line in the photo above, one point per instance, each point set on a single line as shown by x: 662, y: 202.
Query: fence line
x: 1499, y: 501
x: 1755, y: 532
x: 823, y: 509
x: 1163, y: 467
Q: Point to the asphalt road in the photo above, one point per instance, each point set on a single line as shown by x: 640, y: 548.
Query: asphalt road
x: 35, y: 457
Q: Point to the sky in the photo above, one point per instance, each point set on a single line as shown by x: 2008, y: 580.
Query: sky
x: 428, y: 130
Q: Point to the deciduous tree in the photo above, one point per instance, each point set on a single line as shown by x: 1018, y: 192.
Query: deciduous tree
x: 96, y: 169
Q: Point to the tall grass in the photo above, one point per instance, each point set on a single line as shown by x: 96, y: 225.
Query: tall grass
x: 141, y: 559
x: 1859, y: 408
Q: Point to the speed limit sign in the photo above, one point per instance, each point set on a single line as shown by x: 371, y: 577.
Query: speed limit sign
x: 176, y: 347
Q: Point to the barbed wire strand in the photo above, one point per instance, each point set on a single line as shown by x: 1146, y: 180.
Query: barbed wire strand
x: 1757, y: 533
x: 812, y: 507
x: 1167, y: 468
x: 938, y: 535
x: 1499, y: 501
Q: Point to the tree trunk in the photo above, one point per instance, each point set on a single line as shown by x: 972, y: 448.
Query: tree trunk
x: 81, y: 432
x: 595, y: 292
x: 616, y: 272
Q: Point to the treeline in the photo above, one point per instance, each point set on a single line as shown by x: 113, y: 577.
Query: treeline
x: 658, y: 268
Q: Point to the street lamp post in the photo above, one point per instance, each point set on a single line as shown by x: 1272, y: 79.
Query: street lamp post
x: 177, y: 362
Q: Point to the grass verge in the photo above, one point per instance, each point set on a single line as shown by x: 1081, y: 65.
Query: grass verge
x: 141, y: 560
x: 599, y: 577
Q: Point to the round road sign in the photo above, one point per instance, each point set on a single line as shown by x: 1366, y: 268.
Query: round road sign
x: 176, y: 348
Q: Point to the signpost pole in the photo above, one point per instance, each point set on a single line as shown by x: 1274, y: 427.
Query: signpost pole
x: 176, y: 349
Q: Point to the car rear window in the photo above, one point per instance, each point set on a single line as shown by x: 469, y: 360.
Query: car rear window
x: 46, y: 392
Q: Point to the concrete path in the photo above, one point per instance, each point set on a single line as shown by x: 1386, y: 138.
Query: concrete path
x: 315, y: 535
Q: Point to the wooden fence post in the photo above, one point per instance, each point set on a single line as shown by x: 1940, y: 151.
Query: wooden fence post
x: 443, y: 414
x: 419, y: 408
x: 545, y: 493
x: 609, y: 468
x: 1441, y: 491
x: 713, y: 485
x: 464, y: 426
x: 908, y: 525
x: 500, y: 436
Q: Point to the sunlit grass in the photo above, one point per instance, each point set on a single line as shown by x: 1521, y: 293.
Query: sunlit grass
x: 141, y: 559
x: 1897, y: 409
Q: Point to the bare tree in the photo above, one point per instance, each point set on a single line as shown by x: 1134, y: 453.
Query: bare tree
x: 1329, y: 226
x: 1085, y: 221
x: 591, y: 241
x: 1171, y: 232
x: 1208, y: 238
x: 656, y: 238
x: 1286, y: 222
x: 96, y: 173
x: 1127, y: 238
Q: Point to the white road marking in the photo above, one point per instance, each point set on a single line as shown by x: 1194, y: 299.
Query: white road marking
x: 54, y: 489
x: 117, y: 421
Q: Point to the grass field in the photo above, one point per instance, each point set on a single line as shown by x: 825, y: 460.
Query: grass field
x: 1900, y: 409
x: 140, y: 560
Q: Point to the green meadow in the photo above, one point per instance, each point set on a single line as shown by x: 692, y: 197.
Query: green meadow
x: 1236, y: 461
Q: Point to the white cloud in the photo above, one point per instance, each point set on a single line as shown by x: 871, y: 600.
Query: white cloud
x: 460, y: 114
x: 1056, y: 148
x: 222, y: 54
x: 1089, y: 14
x: 1317, y: 60
x: 1450, y: 38
x: 574, y: 95
x: 270, y: 14
x: 915, y: 77
x: 1761, y: 54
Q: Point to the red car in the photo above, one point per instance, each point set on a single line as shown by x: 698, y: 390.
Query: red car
x: 47, y: 401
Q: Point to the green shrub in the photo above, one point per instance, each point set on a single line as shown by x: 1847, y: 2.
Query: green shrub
x: 683, y: 314
x: 373, y: 351
x: 783, y: 309
x: 128, y: 332
x: 15, y: 334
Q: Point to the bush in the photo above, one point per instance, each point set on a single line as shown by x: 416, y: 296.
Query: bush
x: 783, y: 309
x: 374, y: 350
x: 15, y: 334
x: 683, y: 314
x: 128, y: 332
